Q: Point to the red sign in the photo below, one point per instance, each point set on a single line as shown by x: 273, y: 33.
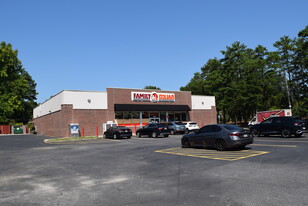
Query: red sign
x: 153, y: 97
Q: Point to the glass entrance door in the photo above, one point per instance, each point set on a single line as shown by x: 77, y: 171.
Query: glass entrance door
x: 154, y: 120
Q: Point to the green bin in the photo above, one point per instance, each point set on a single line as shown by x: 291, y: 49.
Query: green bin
x: 18, y: 129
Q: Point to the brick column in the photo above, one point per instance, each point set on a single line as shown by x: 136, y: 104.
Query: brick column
x: 65, y: 119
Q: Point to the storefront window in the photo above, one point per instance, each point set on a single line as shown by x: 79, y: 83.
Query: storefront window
x: 127, y: 115
x: 177, y: 117
x: 170, y: 116
x: 163, y: 117
x: 154, y: 115
x: 184, y: 116
x: 118, y: 115
x: 145, y: 115
x: 135, y: 115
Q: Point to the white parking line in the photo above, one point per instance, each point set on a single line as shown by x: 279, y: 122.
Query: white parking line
x: 271, y: 145
x: 265, y: 140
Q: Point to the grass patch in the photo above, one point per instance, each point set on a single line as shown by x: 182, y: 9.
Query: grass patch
x: 70, y: 139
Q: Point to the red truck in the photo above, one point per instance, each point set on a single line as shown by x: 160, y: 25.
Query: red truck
x: 261, y: 116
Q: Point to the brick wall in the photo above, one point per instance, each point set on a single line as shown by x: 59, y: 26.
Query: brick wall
x: 204, y: 117
x: 90, y: 119
x: 57, y: 124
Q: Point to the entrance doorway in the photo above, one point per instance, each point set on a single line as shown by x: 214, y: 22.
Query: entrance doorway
x: 154, y: 120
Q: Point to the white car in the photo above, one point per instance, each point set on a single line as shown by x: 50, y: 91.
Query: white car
x: 190, y: 126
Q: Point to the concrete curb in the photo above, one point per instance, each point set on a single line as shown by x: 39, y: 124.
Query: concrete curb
x: 47, y: 141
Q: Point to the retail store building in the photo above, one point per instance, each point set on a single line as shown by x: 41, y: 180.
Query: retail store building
x: 129, y: 107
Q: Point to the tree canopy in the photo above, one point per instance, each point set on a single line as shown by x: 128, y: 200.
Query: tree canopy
x: 17, y: 88
x: 247, y: 80
x: 152, y: 87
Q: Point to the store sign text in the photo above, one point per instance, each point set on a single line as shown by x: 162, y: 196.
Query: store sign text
x: 153, y: 97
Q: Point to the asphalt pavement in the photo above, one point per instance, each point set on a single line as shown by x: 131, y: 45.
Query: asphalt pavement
x: 147, y: 171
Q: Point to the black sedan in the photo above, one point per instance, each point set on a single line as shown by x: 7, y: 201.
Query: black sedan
x: 118, y: 132
x: 218, y: 136
x: 284, y: 126
x: 154, y: 130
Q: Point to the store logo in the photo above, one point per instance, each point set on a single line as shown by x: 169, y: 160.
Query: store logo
x: 152, y: 97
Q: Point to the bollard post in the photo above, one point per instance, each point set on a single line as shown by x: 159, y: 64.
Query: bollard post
x: 96, y: 131
x: 82, y: 133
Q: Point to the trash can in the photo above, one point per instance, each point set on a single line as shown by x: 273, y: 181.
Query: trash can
x: 18, y: 129
x: 74, y: 130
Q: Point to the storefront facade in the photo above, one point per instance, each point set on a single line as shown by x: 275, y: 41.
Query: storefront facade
x: 129, y: 107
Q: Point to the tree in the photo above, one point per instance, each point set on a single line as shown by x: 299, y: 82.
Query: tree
x: 152, y: 87
x: 248, y: 80
x: 17, y: 88
x: 301, y: 72
x: 293, y: 67
x: 196, y: 85
x: 243, y: 81
x: 286, y: 50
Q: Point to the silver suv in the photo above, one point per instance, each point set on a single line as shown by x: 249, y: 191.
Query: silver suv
x: 176, y: 127
x: 190, y: 126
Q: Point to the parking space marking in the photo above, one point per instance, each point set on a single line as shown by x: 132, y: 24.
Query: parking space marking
x: 212, y: 154
x: 271, y: 145
x: 267, y: 140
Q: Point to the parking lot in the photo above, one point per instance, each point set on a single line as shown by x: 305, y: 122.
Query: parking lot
x: 147, y: 171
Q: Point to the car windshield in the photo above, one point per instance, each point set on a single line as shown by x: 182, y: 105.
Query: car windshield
x: 232, y: 127
x: 121, y: 127
x: 162, y: 125
x: 179, y: 123
x: 192, y: 123
x: 297, y: 119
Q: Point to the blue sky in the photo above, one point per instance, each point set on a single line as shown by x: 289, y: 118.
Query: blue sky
x: 94, y: 44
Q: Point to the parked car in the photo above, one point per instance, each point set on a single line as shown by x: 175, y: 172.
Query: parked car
x: 190, y: 126
x: 284, y: 126
x: 118, y: 132
x: 154, y: 130
x: 306, y: 125
x: 176, y: 127
x: 218, y: 136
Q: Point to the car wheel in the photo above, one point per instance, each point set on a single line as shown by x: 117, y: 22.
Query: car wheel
x: 138, y: 134
x: 114, y: 136
x: 185, y: 143
x: 186, y: 131
x: 286, y: 133
x: 128, y: 137
x: 104, y: 136
x: 166, y: 135
x: 172, y: 132
x: 220, y: 145
x: 154, y: 135
x: 255, y: 133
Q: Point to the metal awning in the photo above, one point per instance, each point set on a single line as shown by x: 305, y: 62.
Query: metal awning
x: 150, y: 107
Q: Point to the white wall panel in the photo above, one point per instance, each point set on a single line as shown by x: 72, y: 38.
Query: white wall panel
x: 202, y: 102
x: 86, y: 100
x: 79, y: 100
x: 51, y: 105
